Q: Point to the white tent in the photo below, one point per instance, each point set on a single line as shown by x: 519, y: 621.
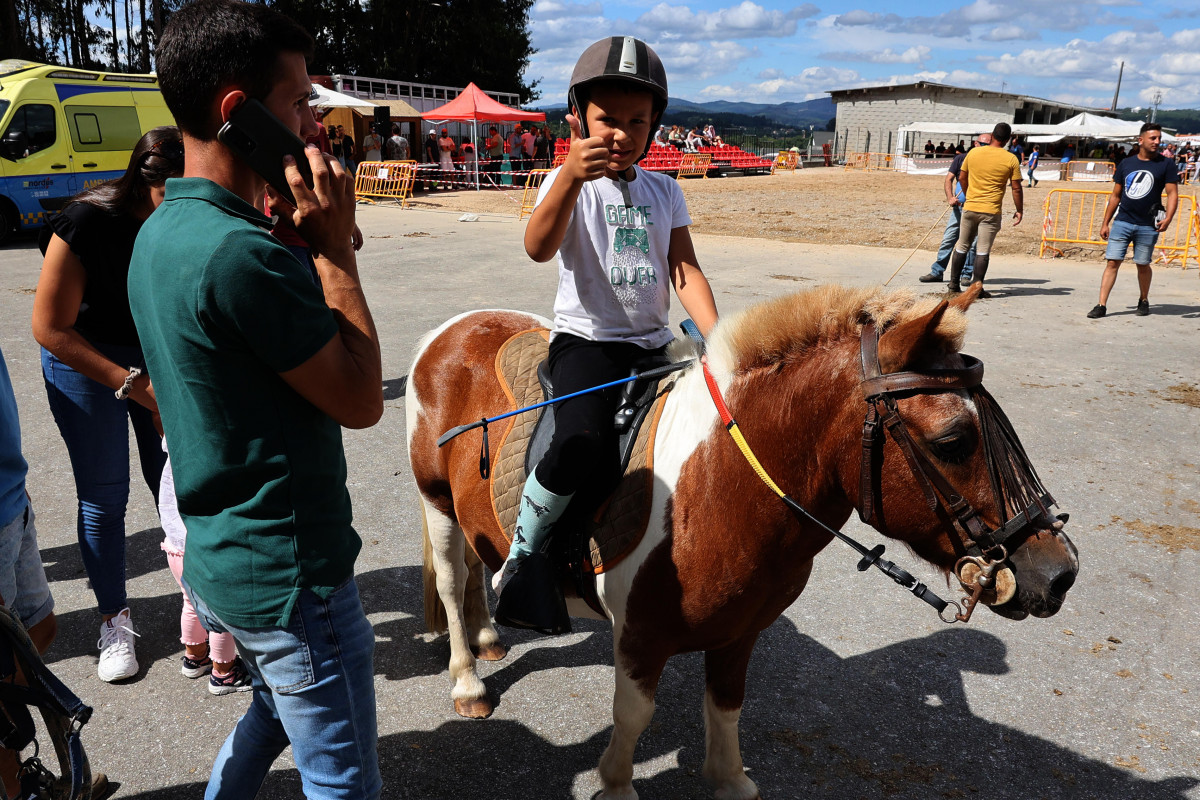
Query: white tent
x: 328, y: 98
x: 1107, y: 128
x: 1081, y: 126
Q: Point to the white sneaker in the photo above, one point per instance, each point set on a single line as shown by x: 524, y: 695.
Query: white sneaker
x: 117, y: 661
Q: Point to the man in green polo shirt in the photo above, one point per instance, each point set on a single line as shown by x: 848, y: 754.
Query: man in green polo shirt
x: 256, y: 369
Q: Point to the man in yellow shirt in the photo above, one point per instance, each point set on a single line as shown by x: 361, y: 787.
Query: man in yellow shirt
x: 983, y: 176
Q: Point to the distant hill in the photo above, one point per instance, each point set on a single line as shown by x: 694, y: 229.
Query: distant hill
x: 1181, y: 120
x: 725, y: 114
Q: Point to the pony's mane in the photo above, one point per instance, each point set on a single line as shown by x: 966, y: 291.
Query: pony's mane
x: 786, y: 328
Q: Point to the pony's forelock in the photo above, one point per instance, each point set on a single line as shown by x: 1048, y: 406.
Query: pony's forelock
x: 786, y: 328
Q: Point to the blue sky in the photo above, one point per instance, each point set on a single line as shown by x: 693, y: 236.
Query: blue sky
x: 769, y: 51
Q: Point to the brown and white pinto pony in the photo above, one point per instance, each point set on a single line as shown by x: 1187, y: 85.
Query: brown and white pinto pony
x: 723, y: 557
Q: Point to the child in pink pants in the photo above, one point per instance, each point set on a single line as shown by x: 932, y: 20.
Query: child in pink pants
x: 213, y: 654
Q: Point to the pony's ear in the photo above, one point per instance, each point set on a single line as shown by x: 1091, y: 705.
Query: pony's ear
x: 902, y: 344
x: 964, y: 300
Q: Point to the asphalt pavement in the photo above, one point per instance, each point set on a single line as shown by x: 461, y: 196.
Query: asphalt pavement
x: 857, y: 691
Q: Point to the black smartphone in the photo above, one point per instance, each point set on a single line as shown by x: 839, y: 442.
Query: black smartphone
x: 261, y: 140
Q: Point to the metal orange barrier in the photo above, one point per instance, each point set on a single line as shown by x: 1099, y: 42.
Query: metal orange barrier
x: 1089, y: 171
x: 694, y: 164
x: 388, y: 180
x: 1075, y: 216
x: 529, y: 197
x: 786, y: 161
x: 872, y: 161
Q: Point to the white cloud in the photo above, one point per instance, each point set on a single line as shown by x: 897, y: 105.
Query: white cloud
x: 858, y: 17
x: 554, y: 9
x: 702, y: 60
x: 747, y: 20
x: 1008, y: 33
x: 1177, y: 63
x: 913, y: 55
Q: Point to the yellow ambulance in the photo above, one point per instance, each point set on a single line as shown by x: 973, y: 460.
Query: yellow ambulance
x: 64, y: 129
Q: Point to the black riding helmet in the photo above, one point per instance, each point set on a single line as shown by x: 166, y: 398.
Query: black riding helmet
x: 618, y: 58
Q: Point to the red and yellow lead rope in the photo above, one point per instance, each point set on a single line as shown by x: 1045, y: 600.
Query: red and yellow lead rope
x: 732, y: 426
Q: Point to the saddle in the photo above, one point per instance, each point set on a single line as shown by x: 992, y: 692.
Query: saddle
x: 598, y: 532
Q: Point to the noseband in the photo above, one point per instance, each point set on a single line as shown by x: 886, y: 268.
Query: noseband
x: 1018, y: 491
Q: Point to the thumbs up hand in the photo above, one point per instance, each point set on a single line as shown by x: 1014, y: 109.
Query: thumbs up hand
x: 588, y: 157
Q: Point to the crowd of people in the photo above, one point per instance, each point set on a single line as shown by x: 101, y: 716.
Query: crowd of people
x: 688, y: 140
x: 1141, y: 206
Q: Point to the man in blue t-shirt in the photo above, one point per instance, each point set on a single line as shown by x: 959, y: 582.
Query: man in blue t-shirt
x: 955, y: 197
x: 1136, y: 200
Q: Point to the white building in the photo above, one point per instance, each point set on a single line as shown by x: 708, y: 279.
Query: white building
x: 868, y: 118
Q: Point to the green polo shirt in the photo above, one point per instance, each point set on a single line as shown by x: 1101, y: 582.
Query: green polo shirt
x: 222, y: 308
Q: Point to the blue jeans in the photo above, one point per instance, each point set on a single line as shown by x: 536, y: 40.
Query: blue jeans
x: 95, y: 427
x: 1122, y: 234
x: 314, y: 688
x: 942, y: 262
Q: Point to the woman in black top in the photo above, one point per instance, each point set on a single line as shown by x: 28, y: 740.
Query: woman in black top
x: 94, y: 372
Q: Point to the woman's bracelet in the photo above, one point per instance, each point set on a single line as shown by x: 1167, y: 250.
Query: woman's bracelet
x: 127, y: 387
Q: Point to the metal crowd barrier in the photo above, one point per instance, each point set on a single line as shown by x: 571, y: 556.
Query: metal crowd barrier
x: 786, y: 161
x: 872, y: 161
x: 1089, y: 171
x: 694, y: 164
x: 386, y: 180
x: 529, y: 198
x: 1074, y: 216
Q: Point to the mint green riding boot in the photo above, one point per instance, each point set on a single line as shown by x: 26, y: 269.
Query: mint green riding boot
x: 540, y: 509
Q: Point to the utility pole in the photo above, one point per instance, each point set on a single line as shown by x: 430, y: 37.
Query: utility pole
x: 1117, y: 93
x: 1154, y: 109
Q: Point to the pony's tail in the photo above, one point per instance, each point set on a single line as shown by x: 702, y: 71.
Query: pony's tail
x: 435, y: 611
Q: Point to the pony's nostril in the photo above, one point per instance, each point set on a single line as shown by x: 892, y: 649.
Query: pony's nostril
x: 1062, y: 584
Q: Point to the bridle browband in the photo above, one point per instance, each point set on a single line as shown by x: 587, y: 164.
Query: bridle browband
x: 1018, y: 491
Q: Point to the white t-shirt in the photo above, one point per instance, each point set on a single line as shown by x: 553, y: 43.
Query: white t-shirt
x: 614, y: 282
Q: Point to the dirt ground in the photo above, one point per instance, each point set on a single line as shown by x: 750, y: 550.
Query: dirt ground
x: 819, y: 206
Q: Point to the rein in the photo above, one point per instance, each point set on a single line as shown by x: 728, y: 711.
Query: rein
x: 869, y: 557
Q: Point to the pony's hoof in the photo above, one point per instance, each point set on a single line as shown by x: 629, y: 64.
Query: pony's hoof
x: 491, y: 652
x: 479, y: 708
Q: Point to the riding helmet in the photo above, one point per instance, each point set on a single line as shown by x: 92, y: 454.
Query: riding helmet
x: 622, y: 58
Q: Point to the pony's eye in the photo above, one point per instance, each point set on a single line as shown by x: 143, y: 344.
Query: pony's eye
x: 954, y: 448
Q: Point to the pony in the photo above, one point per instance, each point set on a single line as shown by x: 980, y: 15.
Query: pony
x: 722, y: 558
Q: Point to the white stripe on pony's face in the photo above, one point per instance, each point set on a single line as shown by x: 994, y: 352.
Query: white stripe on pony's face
x: 688, y: 419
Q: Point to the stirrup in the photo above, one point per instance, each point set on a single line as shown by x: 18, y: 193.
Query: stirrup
x: 533, y: 598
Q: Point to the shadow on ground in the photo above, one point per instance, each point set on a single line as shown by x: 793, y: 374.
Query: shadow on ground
x: 891, y: 723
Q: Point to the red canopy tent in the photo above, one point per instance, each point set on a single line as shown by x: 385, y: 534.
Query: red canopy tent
x: 474, y: 106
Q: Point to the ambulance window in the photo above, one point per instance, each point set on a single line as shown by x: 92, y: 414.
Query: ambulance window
x: 33, y: 127
x: 89, y: 128
x: 103, y: 128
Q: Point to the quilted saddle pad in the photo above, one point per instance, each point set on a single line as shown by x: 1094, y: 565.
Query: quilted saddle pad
x: 620, y: 523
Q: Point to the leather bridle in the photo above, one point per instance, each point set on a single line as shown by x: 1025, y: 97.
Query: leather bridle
x: 1018, y: 492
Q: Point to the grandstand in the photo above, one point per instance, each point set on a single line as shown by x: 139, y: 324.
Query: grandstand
x: 726, y: 160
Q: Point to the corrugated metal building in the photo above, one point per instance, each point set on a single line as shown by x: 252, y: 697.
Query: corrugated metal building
x: 868, y: 117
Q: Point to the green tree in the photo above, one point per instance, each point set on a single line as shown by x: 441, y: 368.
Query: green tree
x: 448, y: 42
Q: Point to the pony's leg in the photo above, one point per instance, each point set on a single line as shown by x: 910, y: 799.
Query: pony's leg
x: 484, y: 640
x: 724, y: 692
x: 448, y: 550
x: 633, y: 706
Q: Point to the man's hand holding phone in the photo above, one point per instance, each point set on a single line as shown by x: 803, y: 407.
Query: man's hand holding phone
x: 324, y: 214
